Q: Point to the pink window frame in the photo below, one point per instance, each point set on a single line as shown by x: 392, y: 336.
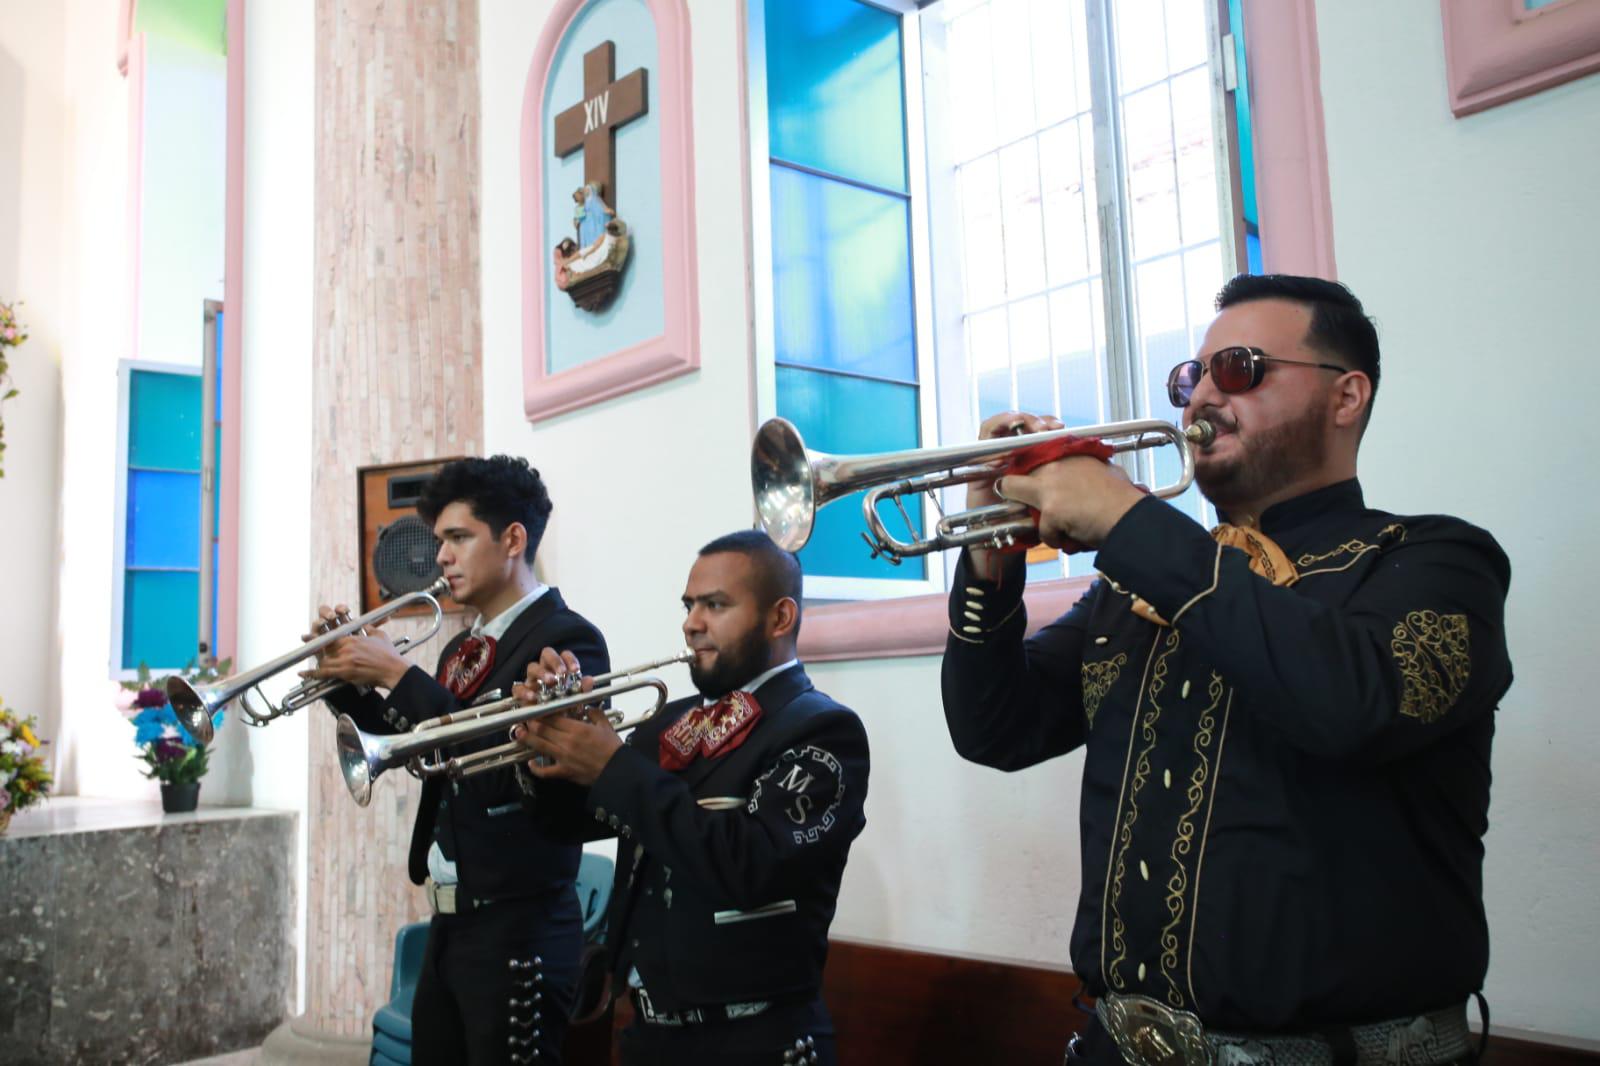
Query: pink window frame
x: 1295, y: 209
x: 130, y: 63
x: 676, y: 350
x: 1496, y: 51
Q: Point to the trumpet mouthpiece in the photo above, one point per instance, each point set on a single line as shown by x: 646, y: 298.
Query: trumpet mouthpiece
x: 1201, y: 432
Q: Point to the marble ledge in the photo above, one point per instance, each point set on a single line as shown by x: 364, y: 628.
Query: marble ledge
x: 88, y: 814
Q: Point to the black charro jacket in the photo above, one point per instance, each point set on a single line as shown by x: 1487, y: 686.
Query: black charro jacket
x: 728, y: 871
x: 1285, y: 791
x: 499, y: 831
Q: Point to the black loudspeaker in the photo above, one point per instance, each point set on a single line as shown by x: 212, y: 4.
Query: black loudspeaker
x: 397, y: 546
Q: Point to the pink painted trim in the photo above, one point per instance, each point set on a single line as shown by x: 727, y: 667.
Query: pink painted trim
x: 229, y: 359
x: 1291, y: 143
x: 135, y: 201
x: 1498, y: 52
x: 916, y: 625
x: 677, y: 350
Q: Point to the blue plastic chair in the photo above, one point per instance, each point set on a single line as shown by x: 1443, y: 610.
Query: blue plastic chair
x: 594, y: 894
x: 391, y: 1026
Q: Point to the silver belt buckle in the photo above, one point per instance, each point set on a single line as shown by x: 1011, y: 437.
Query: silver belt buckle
x: 1149, y: 1033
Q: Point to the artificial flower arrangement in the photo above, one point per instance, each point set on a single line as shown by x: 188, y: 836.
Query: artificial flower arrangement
x: 170, y: 752
x: 24, y: 780
x: 12, y: 333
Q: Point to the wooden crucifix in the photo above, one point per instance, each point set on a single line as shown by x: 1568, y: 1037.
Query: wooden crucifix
x: 592, y: 124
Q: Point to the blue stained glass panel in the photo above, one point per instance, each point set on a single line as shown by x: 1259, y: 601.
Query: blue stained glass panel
x: 163, y: 519
x: 164, y: 421
x: 850, y: 416
x: 841, y: 277
x: 160, y: 616
x: 835, y: 89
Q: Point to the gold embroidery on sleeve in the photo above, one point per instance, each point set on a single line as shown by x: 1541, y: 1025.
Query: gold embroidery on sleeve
x: 1097, y: 681
x: 1431, y: 650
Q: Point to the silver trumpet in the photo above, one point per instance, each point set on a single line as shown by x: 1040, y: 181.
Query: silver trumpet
x: 363, y: 756
x: 195, y: 705
x: 790, y: 482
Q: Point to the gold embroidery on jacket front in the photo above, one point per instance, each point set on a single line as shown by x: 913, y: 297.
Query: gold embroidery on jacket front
x: 1431, y: 650
x: 1097, y: 681
x: 1145, y: 729
x: 1183, y: 844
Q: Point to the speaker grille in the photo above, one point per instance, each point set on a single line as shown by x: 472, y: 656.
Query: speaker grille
x: 404, y: 559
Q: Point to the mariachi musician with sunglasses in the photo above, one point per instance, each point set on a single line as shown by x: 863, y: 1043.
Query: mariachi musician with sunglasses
x: 1286, y: 720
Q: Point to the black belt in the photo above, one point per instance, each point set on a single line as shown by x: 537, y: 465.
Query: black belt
x: 449, y: 899
x: 719, y: 1012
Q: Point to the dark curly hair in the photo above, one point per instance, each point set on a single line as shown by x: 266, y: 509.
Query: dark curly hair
x: 501, y: 489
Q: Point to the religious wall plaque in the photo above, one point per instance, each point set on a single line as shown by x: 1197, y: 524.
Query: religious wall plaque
x: 609, y: 266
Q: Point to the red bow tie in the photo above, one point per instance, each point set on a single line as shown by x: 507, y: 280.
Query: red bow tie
x: 710, y: 730
x: 467, y: 667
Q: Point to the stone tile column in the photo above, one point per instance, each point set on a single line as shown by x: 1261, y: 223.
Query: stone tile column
x: 397, y: 376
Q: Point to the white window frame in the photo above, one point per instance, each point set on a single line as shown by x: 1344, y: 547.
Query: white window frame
x: 119, y: 572
x: 943, y: 368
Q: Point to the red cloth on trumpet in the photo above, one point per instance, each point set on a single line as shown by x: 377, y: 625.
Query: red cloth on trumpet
x: 1032, y: 458
x: 710, y: 730
x: 464, y: 670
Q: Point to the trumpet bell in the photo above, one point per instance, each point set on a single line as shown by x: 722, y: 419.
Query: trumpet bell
x: 193, y: 706
x: 354, y: 761
x: 785, y: 488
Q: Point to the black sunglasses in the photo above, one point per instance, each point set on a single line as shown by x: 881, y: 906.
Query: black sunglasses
x: 1232, y: 369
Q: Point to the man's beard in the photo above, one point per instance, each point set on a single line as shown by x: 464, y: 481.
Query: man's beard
x: 735, y: 665
x: 1270, y: 460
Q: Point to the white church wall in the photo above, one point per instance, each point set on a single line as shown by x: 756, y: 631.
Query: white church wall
x: 268, y: 767
x: 34, y: 138
x: 95, y: 753
x: 1475, y: 243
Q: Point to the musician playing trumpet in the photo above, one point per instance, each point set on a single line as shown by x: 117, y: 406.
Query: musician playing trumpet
x: 736, y: 810
x: 506, y: 923
x: 1286, y: 720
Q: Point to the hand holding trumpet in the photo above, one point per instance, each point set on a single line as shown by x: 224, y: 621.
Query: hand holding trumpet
x: 578, y: 746
x: 1078, y: 498
x: 363, y: 658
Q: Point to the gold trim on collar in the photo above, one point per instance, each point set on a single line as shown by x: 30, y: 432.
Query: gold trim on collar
x: 1390, y: 535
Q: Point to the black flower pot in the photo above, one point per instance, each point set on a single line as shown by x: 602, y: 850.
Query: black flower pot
x: 180, y: 797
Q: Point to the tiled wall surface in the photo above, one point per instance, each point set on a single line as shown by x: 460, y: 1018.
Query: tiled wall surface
x: 397, y: 376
